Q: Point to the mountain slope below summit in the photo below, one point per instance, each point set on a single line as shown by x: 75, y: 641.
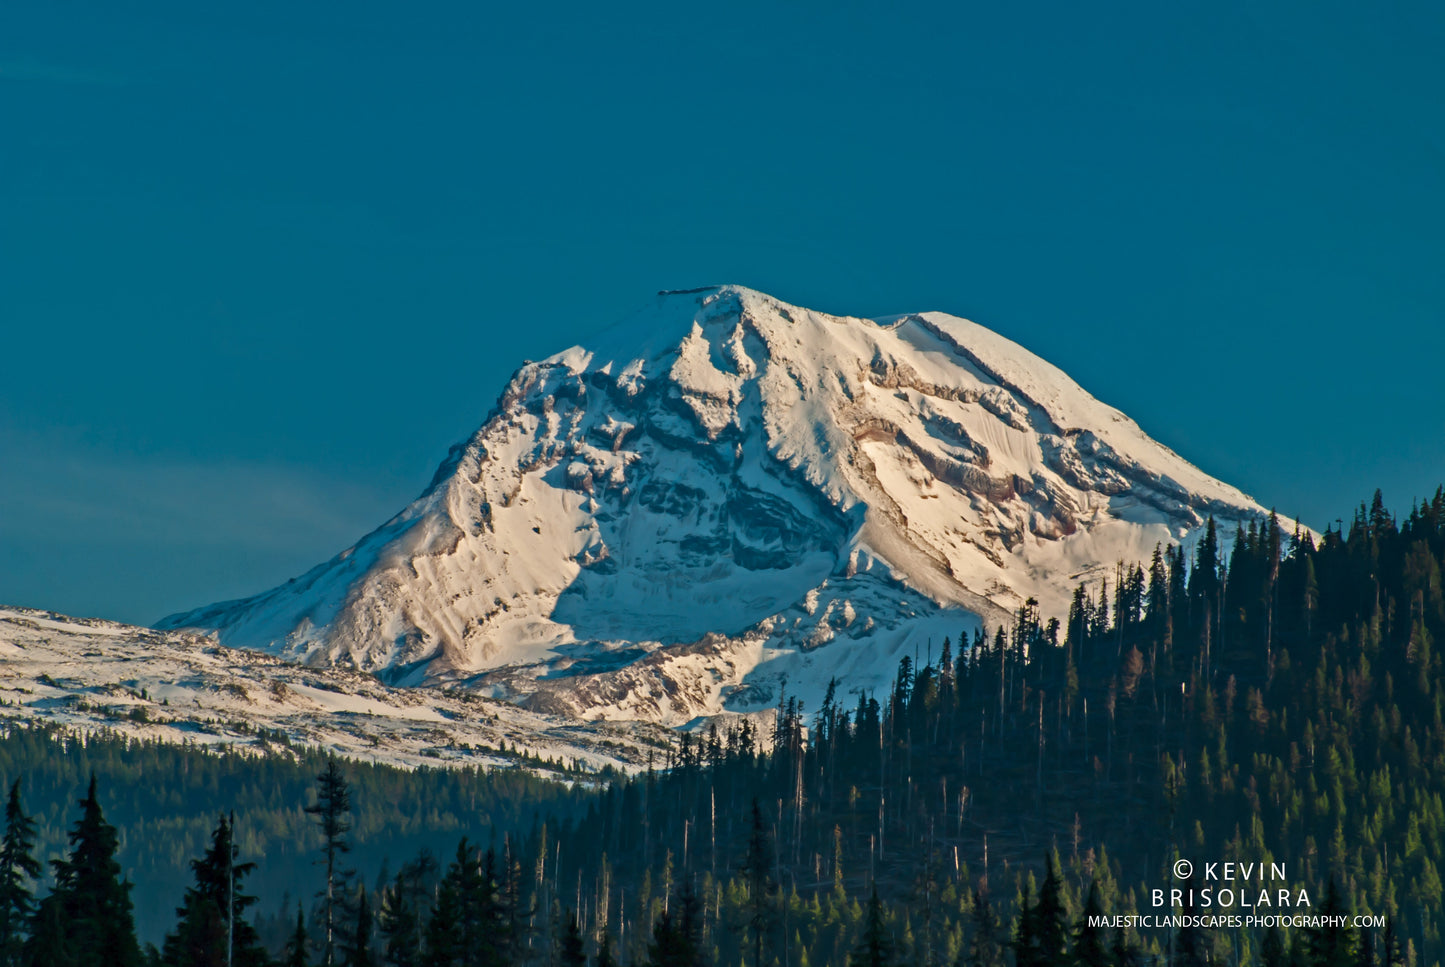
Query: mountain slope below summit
x: 727, y: 496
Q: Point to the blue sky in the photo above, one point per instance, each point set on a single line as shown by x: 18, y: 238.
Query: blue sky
x: 260, y: 266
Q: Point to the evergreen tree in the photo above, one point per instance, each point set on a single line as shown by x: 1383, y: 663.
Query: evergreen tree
x: 1089, y: 946
x: 985, y: 946
x: 875, y: 948
x: 332, y: 811
x: 758, y: 869
x: 356, y: 948
x: 296, y: 944
x: 19, y: 869
x: 400, y: 924
x: 571, y: 950
x: 1041, y: 936
x: 203, y: 933
x: 1332, y: 944
x: 1391, y: 955
x: 87, y: 919
x: 677, y: 936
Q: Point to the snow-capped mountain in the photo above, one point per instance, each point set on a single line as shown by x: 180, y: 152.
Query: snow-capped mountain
x: 727, y: 497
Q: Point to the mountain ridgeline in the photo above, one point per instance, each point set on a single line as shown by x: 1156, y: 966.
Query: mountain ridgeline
x: 1278, y: 704
x: 727, y: 493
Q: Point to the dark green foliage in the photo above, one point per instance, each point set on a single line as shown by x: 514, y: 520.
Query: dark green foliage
x: 87, y: 918
x: 202, y: 933
x: 677, y: 937
x: 19, y: 869
x: 1281, y: 705
x: 758, y: 870
x: 876, y: 947
x: 297, y: 944
x: 1090, y: 946
x: 986, y: 941
x: 332, y: 811
x: 356, y: 946
x: 571, y: 950
x: 1331, y: 945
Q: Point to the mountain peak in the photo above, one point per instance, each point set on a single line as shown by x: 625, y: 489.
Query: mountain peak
x: 725, y: 493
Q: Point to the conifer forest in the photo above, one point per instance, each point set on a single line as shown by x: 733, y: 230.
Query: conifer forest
x: 1269, y: 700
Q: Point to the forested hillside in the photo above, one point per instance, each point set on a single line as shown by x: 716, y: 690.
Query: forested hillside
x: 1278, y: 704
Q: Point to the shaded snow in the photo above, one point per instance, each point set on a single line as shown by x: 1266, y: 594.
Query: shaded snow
x: 726, y: 496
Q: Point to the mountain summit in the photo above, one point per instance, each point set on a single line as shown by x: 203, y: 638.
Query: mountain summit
x: 727, y: 497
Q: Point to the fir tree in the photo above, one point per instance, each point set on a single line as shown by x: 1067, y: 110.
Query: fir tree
x: 571, y: 950
x: 1041, y: 936
x: 758, y: 869
x: 19, y: 869
x: 356, y: 948
x: 296, y: 944
x: 204, y: 934
x: 1332, y: 944
x: 90, y: 905
x: 1089, y: 947
x: 400, y: 924
x: 332, y: 811
x: 876, y: 948
x: 985, y: 946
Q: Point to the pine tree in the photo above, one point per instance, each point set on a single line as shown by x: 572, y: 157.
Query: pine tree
x: 203, y: 933
x: 571, y: 950
x: 1041, y: 940
x: 1331, y: 945
x: 87, y: 919
x: 758, y: 869
x: 1089, y: 947
x: 295, y: 953
x: 332, y: 809
x: 18, y: 870
x: 356, y: 948
x: 876, y: 948
x: 444, y: 944
x: 1390, y: 953
x: 985, y: 943
x: 400, y: 924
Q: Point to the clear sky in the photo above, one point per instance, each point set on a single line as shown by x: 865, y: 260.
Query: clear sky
x: 261, y: 266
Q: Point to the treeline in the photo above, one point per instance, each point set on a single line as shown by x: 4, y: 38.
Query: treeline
x: 164, y: 800
x: 1280, y: 703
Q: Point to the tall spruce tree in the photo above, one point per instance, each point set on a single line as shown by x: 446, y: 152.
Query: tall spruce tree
x: 1090, y: 949
x: 1331, y: 943
x: 1041, y: 937
x: 87, y: 919
x: 297, y: 943
x: 876, y: 947
x: 399, y: 923
x: 19, y: 869
x: 205, y: 934
x: 758, y: 870
x: 332, y: 811
x: 356, y: 944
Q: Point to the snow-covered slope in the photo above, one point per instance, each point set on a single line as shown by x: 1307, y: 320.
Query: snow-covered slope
x: 87, y: 675
x: 728, y: 496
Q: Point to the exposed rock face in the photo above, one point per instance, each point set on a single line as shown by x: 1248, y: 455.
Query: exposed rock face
x: 727, y: 496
